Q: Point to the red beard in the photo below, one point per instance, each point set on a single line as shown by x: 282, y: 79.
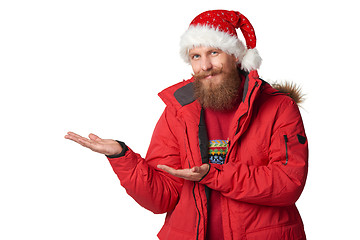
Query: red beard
x: 218, y: 96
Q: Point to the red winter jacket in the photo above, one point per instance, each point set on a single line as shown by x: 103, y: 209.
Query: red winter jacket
x: 263, y: 175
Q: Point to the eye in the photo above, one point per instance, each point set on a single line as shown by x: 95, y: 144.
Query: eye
x: 214, y: 53
x: 195, y: 56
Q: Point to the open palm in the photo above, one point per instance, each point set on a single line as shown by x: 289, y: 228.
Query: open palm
x: 96, y: 144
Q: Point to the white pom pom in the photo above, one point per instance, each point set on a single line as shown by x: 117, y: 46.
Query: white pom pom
x: 251, y: 60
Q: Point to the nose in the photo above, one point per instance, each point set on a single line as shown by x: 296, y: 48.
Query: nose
x: 206, y: 64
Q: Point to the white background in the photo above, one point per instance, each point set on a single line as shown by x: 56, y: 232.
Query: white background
x: 97, y: 66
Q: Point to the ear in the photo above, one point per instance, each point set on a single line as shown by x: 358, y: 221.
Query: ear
x: 236, y: 59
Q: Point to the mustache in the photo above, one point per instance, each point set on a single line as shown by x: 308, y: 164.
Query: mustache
x: 204, y: 74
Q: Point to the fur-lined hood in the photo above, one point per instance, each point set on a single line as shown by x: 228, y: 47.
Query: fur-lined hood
x: 292, y: 89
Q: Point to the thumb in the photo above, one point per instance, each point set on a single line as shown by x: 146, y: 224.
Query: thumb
x: 94, y: 137
x: 195, y: 169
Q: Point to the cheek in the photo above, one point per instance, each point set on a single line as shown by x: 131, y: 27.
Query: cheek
x: 217, y: 63
x: 228, y: 65
x: 195, y: 67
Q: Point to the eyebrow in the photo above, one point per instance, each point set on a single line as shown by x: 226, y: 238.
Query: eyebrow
x: 209, y: 51
x: 215, y: 49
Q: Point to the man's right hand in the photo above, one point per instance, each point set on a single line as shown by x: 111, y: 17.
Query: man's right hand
x: 104, y: 146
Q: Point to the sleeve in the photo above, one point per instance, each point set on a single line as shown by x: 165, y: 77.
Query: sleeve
x: 153, y: 189
x: 281, y: 181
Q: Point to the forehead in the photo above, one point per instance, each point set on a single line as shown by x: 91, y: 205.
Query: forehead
x: 203, y: 49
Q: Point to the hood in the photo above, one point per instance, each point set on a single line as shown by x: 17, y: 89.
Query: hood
x: 292, y: 89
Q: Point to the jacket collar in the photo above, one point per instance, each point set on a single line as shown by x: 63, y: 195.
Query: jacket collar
x: 178, y: 95
x: 182, y: 94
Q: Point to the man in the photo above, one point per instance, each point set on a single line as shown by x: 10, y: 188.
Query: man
x: 228, y: 156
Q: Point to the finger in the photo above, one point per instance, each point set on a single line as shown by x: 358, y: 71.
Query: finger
x: 73, y: 136
x: 78, y: 139
x: 70, y: 136
x: 164, y: 167
x: 81, y: 141
x: 94, y: 137
x: 205, y: 167
x: 168, y: 169
x: 180, y: 173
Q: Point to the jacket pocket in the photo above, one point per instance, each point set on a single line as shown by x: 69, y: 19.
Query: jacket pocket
x: 291, y: 146
x: 286, y: 140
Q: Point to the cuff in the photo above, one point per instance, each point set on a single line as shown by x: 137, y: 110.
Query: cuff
x: 210, y: 177
x: 124, y: 149
x: 207, y: 172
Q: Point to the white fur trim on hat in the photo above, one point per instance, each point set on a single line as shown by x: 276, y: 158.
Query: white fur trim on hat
x: 203, y: 35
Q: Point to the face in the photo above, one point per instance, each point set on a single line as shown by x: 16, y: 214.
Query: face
x: 216, y: 77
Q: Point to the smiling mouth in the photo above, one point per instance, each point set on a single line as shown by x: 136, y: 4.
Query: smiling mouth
x: 208, y: 74
x: 211, y: 75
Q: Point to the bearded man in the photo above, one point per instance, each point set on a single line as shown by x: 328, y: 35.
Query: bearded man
x: 228, y: 156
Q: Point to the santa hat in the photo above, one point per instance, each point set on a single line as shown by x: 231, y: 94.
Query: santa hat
x: 217, y: 28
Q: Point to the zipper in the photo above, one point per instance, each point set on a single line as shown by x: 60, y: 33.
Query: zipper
x: 238, y: 122
x: 198, y: 211
x: 204, y: 151
x: 198, y: 224
x: 193, y: 191
x: 286, y: 149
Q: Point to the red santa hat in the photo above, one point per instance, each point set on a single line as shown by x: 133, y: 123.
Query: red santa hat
x: 217, y: 28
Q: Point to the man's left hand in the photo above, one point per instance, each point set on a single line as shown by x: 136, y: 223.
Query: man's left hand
x: 193, y: 174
